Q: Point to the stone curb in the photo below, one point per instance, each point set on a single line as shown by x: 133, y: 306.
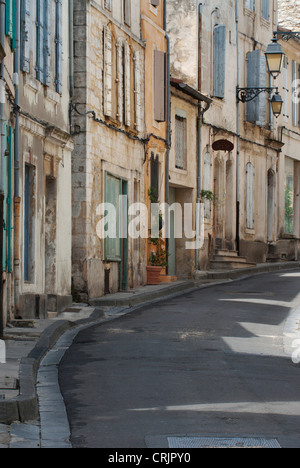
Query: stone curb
x: 25, y: 406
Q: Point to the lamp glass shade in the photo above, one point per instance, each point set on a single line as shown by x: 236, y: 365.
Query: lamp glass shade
x: 276, y: 103
x: 274, y: 57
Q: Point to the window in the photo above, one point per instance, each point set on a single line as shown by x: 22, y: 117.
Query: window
x: 249, y: 196
x: 219, y: 49
x: 159, y: 86
x: 107, y: 4
x: 257, y: 77
x: 289, y: 195
x: 180, y: 141
x: 250, y: 4
x: 127, y: 12
x: 112, y: 244
x: 265, y: 9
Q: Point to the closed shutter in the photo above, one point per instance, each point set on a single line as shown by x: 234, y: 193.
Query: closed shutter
x: 9, y: 18
x: 40, y: 40
x: 285, y: 88
x: 120, y: 81
x: 180, y: 142
x: 127, y: 84
x: 295, y: 96
x: 219, y: 61
x: 207, y: 183
x: 159, y: 86
x: 250, y: 196
x: 59, y: 46
x: 47, y: 42
x: 112, y: 244
x: 107, y: 72
x: 257, y: 77
x: 137, y: 91
x: 25, y: 35
x: 266, y: 9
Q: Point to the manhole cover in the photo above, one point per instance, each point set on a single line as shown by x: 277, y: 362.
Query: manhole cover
x: 213, y: 442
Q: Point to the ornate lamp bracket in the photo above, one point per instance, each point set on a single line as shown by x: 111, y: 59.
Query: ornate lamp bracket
x: 248, y: 94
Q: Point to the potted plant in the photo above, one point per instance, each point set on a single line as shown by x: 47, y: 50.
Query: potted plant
x: 158, y: 260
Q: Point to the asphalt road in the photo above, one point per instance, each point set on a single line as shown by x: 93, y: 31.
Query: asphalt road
x: 213, y: 363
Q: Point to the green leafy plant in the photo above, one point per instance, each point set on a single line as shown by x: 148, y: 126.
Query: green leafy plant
x: 208, y: 195
x: 160, y: 256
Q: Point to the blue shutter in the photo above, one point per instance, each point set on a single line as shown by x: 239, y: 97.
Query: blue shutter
x: 257, y: 77
x: 40, y: 40
x: 47, y: 42
x: 266, y: 9
x: 25, y: 33
x: 58, y: 40
x: 219, y: 60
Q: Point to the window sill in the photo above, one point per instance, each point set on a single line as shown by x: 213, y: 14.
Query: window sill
x: 250, y: 232
x: 32, y: 83
x: 52, y: 96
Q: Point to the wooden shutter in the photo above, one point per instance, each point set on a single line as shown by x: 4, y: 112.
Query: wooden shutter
x: 155, y: 176
x: 137, y: 91
x: 266, y: 9
x: 127, y: 84
x: 159, y: 86
x: 26, y: 31
x: 219, y: 60
x: 112, y: 245
x: 120, y: 81
x: 207, y: 183
x: 257, y: 77
x: 9, y: 15
x: 59, y: 46
x: 47, y: 42
x: 250, y: 196
x: 285, y: 88
x: 295, y: 95
x: 40, y: 40
x: 107, y: 72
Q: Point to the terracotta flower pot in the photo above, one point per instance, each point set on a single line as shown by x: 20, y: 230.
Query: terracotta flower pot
x: 153, y: 274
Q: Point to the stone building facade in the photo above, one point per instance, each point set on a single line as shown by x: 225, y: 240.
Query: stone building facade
x: 218, y: 48
x: 108, y: 125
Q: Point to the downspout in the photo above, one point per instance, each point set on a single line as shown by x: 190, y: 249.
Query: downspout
x: 168, y: 119
x: 71, y: 58
x: 2, y: 38
x: 17, y: 198
x: 199, y: 136
x: 238, y: 136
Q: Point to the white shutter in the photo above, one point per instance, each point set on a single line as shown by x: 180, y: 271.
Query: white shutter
x: 120, y: 81
x: 285, y: 89
x: 107, y: 72
x: 137, y: 91
x: 127, y: 82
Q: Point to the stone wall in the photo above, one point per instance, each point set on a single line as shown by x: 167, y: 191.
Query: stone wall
x: 289, y: 14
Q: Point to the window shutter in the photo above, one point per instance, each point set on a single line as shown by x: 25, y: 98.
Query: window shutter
x: 113, y: 190
x: 295, y: 95
x: 59, y: 45
x: 250, y: 196
x: 159, y: 86
x: 107, y: 72
x: 285, y: 88
x: 40, y: 41
x: 47, y: 42
x: 219, y: 60
x: 266, y: 9
x: 120, y: 81
x: 127, y: 82
x: 9, y: 13
x: 207, y: 183
x: 137, y: 91
x: 25, y: 34
x: 256, y: 109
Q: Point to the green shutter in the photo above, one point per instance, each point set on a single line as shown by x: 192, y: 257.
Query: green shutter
x: 10, y: 20
x: 112, y: 245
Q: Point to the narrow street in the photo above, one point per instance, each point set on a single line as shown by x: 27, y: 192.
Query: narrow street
x: 207, y: 364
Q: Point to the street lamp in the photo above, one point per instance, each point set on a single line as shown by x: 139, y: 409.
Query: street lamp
x: 274, y: 56
x: 276, y: 103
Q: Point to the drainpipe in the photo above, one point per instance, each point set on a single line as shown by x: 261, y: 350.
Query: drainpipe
x: 71, y: 46
x: 238, y: 135
x: 168, y: 118
x: 2, y: 146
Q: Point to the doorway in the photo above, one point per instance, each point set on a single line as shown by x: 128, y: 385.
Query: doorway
x: 271, y: 205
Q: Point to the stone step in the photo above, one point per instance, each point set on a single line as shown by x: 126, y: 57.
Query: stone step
x: 228, y: 258
x: 225, y: 265
x: 224, y: 252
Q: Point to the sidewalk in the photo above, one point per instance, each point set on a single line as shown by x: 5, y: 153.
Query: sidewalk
x: 28, y: 342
